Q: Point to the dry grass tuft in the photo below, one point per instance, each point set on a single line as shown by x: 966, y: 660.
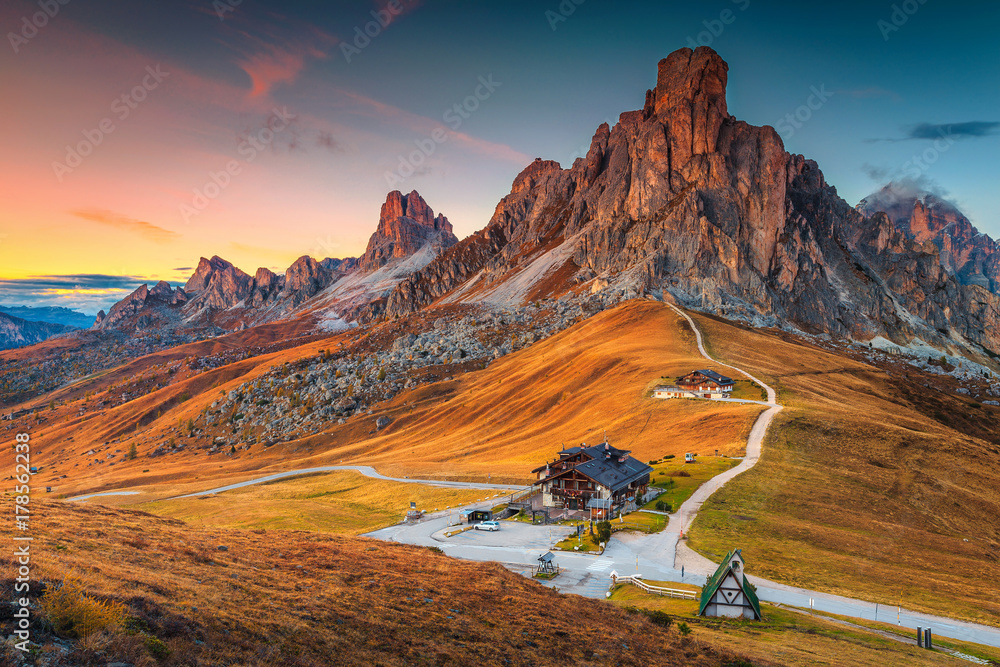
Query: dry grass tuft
x: 74, y: 613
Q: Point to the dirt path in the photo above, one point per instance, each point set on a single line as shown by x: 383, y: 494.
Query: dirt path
x: 680, y: 523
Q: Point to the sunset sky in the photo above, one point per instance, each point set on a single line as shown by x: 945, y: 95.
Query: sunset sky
x: 140, y: 136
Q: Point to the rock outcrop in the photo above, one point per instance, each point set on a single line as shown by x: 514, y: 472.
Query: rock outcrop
x: 683, y: 198
x: 973, y: 257
x: 144, y: 308
x: 407, y: 225
x: 218, y: 294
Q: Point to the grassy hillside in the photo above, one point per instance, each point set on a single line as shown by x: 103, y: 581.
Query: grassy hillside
x: 304, y: 599
x: 337, y: 502
x: 500, y: 421
x: 876, y: 482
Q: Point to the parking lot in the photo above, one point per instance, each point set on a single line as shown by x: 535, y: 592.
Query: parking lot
x: 513, y: 534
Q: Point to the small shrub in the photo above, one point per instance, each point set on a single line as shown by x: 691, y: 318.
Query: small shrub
x: 661, y: 618
x: 437, y: 550
x: 604, y: 531
x: 668, y: 456
x: 157, y: 648
x: 74, y: 613
x: 684, y: 628
x: 663, y: 506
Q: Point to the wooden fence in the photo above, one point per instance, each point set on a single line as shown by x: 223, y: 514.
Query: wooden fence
x: 657, y: 590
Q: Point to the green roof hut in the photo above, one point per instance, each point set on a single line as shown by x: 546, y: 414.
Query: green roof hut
x: 728, y: 593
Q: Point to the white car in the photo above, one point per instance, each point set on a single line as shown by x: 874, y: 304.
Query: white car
x: 488, y: 525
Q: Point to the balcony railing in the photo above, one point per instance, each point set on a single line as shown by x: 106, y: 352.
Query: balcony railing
x: 572, y: 493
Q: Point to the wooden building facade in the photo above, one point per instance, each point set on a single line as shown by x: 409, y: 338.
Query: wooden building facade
x: 582, y: 474
x: 697, y: 384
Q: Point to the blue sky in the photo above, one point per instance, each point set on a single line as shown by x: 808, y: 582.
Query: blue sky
x: 883, y: 79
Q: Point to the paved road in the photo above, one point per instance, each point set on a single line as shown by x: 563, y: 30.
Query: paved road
x: 106, y: 493
x: 367, y: 471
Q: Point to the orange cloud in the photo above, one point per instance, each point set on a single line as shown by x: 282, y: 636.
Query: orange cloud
x: 147, y: 230
x: 266, y: 70
x: 272, y: 59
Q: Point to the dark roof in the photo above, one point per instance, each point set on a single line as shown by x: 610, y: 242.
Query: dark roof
x: 546, y: 557
x: 712, y: 375
x: 562, y: 454
x: 607, y: 471
x: 713, y: 583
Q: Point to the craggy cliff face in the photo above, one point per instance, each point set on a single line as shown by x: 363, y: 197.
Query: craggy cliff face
x: 682, y: 197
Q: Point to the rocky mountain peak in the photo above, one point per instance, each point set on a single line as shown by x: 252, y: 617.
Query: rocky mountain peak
x: 682, y: 199
x: 924, y: 217
x: 405, y: 226
x: 304, y: 278
x: 206, y: 268
x: 162, y: 290
x: 690, y: 96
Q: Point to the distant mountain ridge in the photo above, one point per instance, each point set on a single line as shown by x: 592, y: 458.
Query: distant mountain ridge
x: 219, y: 294
x: 15, y: 332
x: 50, y: 315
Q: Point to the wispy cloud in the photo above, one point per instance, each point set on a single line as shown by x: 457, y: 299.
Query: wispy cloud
x: 147, y: 230
x: 277, y: 50
x: 957, y: 130
x: 85, y: 292
x: 424, y: 126
x: 976, y: 129
x: 268, y: 68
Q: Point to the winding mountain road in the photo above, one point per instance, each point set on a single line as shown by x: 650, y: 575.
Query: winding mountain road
x: 367, y: 471
x: 661, y: 556
x: 755, y: 444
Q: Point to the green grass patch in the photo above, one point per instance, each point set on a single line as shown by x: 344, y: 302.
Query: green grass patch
x: 679, y: 480
x: 586, y: 542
